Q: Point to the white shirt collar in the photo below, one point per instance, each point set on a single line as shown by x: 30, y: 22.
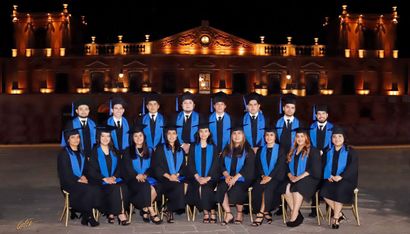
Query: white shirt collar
x: 186, y: 114
x: 116, y: 120
x: 321, y: 124
x: 217, y: 116
x: 153, y: 114
x: 290, y: 118
x: 256, y: 115
x: 82, y: 119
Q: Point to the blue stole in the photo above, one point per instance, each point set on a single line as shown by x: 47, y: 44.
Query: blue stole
x: 226, y: 125
x: 141, y: 169
x: 259, y: 132
x: 194, y: 121
x: 280, y: 124
x: 341, y: 163
x: 173, y: 168
x: 198, y: 156
x: 274, y: 158
x: 159, y: 137
x: 77, y: 124
x: 328, y: 134
x: 239, y: 164
x: 301, y: 164
x: 125, y: 129
x: 74, y: 163
x: 103, y: 164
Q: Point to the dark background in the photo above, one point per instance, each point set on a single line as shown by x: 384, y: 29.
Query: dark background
x: 300, y: 19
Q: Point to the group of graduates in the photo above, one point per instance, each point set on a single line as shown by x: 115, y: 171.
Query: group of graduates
x: 202, y: 161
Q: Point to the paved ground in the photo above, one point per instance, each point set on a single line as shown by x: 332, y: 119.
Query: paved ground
x: 30, y: 201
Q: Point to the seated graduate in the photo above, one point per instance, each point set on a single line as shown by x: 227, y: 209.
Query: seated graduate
x: 270, y: 166
x: 237, y: 165
x: 71, y: 163
x: 340, y: 174
x: 104, y: 171
x: 120, y: 133
x: 169, y: 169
x: 304, y: 174
x: 203, y: 166
x: 84, y: 123
x: 138, y: 170
x: 220, y: 121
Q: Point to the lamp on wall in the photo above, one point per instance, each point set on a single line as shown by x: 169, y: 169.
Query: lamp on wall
x: 121, y: 74
x: 15, y: 88
x: 394, y: 90
x: 288, y: 76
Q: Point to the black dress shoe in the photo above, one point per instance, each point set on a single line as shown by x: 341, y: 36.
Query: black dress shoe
x: 342, y: 217
x: 89, y: 220
x: 123, y: 222
x: 313, y: 214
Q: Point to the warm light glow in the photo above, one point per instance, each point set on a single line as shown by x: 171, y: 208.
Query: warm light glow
x: 241, y: 51
x: 147, y: 37
x: 146, y: 89
x: 288, y: 76
x: 62, y: 52
x: 29, y: 52
x: 191, y: 90
x: 83, y: 90
x: 361, y: 53
x: 395, y: 53
x: 227, y: 91
x: 48, y: 52
x: 393, y: 93
x: 16, y: 91
x: 262, y: 91
x: 14, y: 53
x: 347, y: 53
x: 205, y: 50
x: 46, y: 90
x: 121, y: 74
x: 363, y: 91
x: 326, y: 91
x: 380, y: 53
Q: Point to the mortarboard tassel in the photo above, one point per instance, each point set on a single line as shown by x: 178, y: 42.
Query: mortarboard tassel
x: 314, y: 113
x: 211, y: 107
x: 244, y: 102
x: 72, y: 109
x: 280, y: 105
x: 110, y: 106
x: 176, y: 103
x: 143, y: 106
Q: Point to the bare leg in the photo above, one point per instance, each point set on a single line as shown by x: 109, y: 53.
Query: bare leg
x: 263, y: 203
x: 330, y: 203
x: 297, y: 202
x: 239, y: 213
x: 338, y: 208
x: 289, y: 197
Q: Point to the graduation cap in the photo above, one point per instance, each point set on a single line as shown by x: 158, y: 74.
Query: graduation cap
x: 217, y: 97
x: 70, y: 132
x: 116, y: 100
x: 187, y: 96
x: 152, y: 96
x: 303, y: 128
x: 338, y: 130
x: 321, y: 108
x: 105, y: 128
x: 270, y: 129
x: 82, y: 101
x: 137, y: 128
x: 203, y: 125
x: 169, y: 127
x: 289, y: 99
x: 253, y: 96
x: 237, y: 127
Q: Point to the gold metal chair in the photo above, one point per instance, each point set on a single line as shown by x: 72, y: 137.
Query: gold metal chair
x: 249, y: 204
x: 354, y: 206
x: 304, y: 206
x: 187, y: 208
x: 132, y: 210
x: 66, y: 209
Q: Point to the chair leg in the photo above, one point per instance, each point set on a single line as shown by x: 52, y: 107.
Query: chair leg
x: 188, y: 212
x: 283, y: 209
x: 220, y: 212
x: 317, y: 208
x: 96, y: 214
x: 63, y: 212
x: 162, y: 206
x: 250, y: 204
x: 194, y: 214
x: 329, y: 215
x: 356, y: 207
x: 131, y: 211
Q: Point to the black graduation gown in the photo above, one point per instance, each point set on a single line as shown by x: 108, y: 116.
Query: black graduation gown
x: 207, y: 200
x: 308, y: 185
x: 342, y: 191
x: 83, y: 197
x: 140, y: 192
x: 272, y: 188
x: 86, y: 135
x: 173, y: 191
x: 238, y: 193
x: 115, y: 196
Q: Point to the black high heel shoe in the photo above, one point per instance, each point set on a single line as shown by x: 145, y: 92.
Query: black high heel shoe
x: 224, y: 223
x: 259, y: 216
x: 170, y: 216
x: 123, y: 222
x: 212, y: 218
x: 111, y: 220
x: 145, y: 218
x: 335, y: 225
x: 268, y: 217
x: 89, y: 220
x: 342, y: 217
x: 152, y: 218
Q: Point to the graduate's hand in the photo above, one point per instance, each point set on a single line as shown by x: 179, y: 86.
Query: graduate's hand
x: 330, y: 179
x: 265, y: 179
x: 108, y: 180
x: 337, y: 178
x: 83, y: 180
x: 140, y: 178
x: 228, y: 179
x: 202, y: 180
x: 233, y: 180
x: 291, y: 177
x: 185, y: 147
x: 173, y: 178
x: 207, y: 179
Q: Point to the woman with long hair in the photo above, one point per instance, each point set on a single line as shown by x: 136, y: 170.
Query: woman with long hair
x: 304, y: 175
x: 203, y: 172
x: 237, y: 165
x: 169, y: 169
x: 340, y: 175
x: 104, y: 170
x: 270, y: 172
x: 138, y: 174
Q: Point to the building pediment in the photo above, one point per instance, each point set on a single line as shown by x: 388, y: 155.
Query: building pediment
x: 312, y: 66
x: 135, y: 64
x: 97, y: 65
x: 274, y: 66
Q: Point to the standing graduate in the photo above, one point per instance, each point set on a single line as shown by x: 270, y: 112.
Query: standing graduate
x: 120, y: 133
x: 71, y: 163
x: 154, y: 120
x: 270, y: 172
x: 138, y: 174
x: 237, y: 165
x: 104, y: 171
x: 304, y: 174
x: 187, y: 118
x: 169, y: 169
x: 340, y: 174
x: 203, y: 166
x: 320, y: 137
x: 287, y: 123
x: 220, y: 122
x: 254, y: 122
x: 85, y: 125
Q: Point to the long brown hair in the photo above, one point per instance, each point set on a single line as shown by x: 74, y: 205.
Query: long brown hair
x: 230, y: 147
x: 305, y: 149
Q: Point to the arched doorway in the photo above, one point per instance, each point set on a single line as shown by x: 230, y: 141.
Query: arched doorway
x: 312, y: 83
x: 97, y: 82
x: 348, y: 85
x: 274, y: 83
x: 135, y: 82
x: 239, y: 83
x: 169, y: 80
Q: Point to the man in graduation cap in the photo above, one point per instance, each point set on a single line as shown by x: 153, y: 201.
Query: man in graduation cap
x: 254, y: 122
x: 153, y: 120
x: 84, y: 123
x: 187, y: 118
x: 220, y: 122
x: 287, y: 122
x: 120, y: 133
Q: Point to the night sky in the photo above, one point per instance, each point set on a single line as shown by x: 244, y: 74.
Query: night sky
x: 300, y: 19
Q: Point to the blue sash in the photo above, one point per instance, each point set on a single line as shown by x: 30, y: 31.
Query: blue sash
x: 74, y: 163
x: 103, y: 164
x: 125, y: 129
x: 173, y: 169
x: 239, y: 164
x: 141, y: 169
x: 259, y: 132
x: 180, y: 122
x: 77, y: 124
x: 328, y: 134
x: 301, y: 164
x: 159, y: 137
x: 274, y: 157
x: 341, y: 163
x: 198, y: 161
x: 280, y: 124
x: 226, y: 125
